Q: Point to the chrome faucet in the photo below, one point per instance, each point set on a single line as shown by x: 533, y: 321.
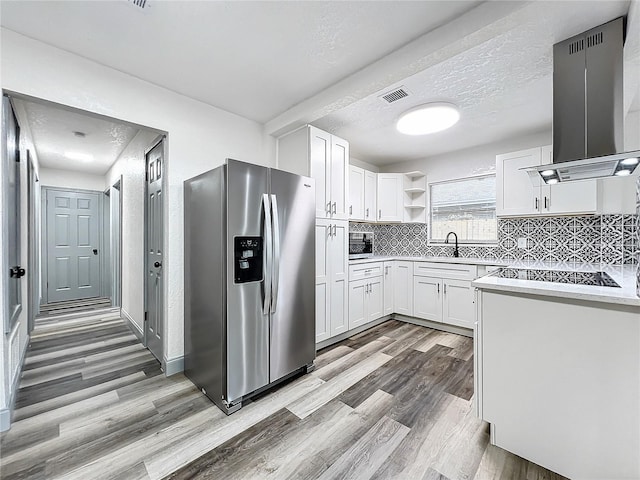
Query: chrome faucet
x: 456, y: 253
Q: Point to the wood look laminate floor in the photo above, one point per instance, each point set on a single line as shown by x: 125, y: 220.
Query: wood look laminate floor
x: 389, y: 403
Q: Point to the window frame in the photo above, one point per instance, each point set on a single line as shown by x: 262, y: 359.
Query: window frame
x: 431, y: 241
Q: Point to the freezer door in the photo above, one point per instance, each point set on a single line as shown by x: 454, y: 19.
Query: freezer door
x: 247, y: 319
x: 293, y: 285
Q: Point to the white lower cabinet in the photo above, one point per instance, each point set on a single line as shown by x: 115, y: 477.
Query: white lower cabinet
x: 427, y: 298
x: 403, y: 287
x: 458, y: 306
x: 332, y: 267
x: 388, y: 268
x: 366, y: 301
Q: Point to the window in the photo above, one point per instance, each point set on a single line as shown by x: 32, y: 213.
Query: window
x: 466, y: 207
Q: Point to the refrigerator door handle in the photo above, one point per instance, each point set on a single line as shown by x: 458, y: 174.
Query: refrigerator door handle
x: 268, y: 249
x: 275, y: 269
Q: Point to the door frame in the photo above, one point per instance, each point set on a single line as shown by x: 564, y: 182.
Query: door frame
x: 161, y: 138
x: 33, y: 295
x: 115, y: 246
x: 44, y: 256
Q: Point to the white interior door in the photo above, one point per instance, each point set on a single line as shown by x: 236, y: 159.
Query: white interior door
x: 154, y: 330
x: 73, y: 220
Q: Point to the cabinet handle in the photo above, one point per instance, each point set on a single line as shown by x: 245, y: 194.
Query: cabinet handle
x: 366, y: 215
x: 350, y: 209
x: 545, y: 202
x: 335, y: 227
x: 445, y: 288
x: 438, y: 289
x: 379, y: 214
x: 334, y: 208
x: 537, y: 204
x: 328, y: 209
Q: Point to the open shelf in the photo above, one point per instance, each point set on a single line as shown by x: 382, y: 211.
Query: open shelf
x: 415, y: 206
x: 415, y: 190
x: 415, y: 174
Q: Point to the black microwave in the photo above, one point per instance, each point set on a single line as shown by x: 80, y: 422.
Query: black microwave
x: 360, y: 245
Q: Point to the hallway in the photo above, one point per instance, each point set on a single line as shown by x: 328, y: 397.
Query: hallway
x: 88, y: 387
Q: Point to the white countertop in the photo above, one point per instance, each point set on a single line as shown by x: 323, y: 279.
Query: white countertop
x: 625, y: 276
x: 459, y: 260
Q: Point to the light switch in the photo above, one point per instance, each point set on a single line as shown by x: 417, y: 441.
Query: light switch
x: 522, y: 242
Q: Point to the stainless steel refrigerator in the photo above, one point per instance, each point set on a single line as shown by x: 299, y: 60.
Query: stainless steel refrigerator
x: 249, y: 280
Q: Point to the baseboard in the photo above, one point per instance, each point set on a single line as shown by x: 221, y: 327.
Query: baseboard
x: 171, y: 366
x: 5, y: 413
x: 351, y: 333
x: 435, y: 325
x: 133, y: 326
x: 5, y: 419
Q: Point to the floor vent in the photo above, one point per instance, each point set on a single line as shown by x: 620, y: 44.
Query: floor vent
x: 395, y: 95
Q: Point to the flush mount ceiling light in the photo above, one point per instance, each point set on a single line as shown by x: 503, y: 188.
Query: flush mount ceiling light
x: 83, y: 157
x: 428, y: 118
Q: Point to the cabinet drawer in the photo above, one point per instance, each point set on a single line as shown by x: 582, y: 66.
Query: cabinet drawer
x: 365, y: 270
x: 445, y: 270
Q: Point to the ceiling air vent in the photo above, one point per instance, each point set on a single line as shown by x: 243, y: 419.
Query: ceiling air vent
x: 139, y: 4
x: 395, y: 95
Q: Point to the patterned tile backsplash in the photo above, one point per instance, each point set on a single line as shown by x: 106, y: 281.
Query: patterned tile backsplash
x: 610, y: 239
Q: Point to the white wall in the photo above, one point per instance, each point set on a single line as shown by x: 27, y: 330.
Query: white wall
x: 131, y: 166
x: 200, y: 136
x: 14, y: 345
x: 51, y: 177
x: 362, y: 164
x: 468, y: 162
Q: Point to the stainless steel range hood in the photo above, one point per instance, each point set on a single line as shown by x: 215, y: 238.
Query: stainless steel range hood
x: 588, y: 131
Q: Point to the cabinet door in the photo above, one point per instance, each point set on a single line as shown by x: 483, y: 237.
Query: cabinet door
x: 375, y: 299
x: 571, y: 197
x: 339, y: 261
x: 403, y: 287
x: 388, y: 287
x: 427, y: 298
x: 320, y: 158
x: 458, y: 307
x: 323, y: 305
x: 370, y: 195
x: 356, y: 193
x: 339, y: 178
x: 358, y: 303
x: 390, y: 192
x: 515, y: 194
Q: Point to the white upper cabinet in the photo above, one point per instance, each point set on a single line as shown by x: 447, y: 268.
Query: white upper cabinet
x: 517, y: 196
x: 362, y: 194
x: 339, y: 178
x: 356, y: 193
x: 312, y: 152
x: 370, y: 195
x: 390, y: 197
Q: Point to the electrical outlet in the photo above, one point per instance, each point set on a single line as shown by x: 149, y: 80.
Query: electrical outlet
x: 522, y: 242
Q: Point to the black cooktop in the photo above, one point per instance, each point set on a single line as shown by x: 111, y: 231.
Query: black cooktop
x: 600, y: 279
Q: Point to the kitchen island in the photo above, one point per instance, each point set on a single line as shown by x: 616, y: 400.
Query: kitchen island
x: 558, y: 370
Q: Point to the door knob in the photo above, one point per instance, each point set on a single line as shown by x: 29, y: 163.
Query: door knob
x: 17, y: 272
x: 157, y: 264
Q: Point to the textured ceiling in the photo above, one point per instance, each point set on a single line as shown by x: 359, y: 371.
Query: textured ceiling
x: 52, y: 131
x: 502, y: 86
x: 256, y: 59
